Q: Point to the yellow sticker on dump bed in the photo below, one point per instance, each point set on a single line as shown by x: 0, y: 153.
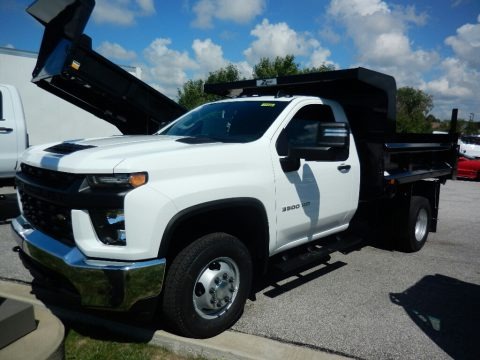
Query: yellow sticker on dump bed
x: 268, y: 104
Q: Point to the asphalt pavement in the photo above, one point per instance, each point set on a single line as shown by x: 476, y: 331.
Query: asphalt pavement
x: 370, y: 303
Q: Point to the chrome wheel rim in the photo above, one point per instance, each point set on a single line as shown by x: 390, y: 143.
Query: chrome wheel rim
x: 216, y: 288
x: 421, y: 225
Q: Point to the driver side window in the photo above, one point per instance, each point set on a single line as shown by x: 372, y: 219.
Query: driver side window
x: 303, y: 128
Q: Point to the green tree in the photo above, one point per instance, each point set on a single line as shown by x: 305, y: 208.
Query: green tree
x: 191, y: 94
x: 226, y: 74
x: 321, y: 68
x: 280, y: 66
x: 268, y: 68
x: 413, y: 107
x: 469, y: 127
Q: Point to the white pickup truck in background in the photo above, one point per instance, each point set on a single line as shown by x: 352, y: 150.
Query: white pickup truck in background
x: 469, y: 145
x: 13, y: 133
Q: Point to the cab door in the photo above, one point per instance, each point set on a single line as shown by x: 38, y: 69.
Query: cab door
x: 314, y: 198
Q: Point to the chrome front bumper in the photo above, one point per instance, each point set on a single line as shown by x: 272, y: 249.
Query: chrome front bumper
x: 101, y: 283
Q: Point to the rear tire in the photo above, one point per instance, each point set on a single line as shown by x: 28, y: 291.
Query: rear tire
x: 413, y: 235
x: 207, y: 286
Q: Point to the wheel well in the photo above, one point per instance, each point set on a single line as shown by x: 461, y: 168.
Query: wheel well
x: 244, y: 219
x: 429, y: 189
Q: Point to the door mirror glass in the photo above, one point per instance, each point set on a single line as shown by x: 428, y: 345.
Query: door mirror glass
x: 332, y: 144
x: 333, y: 135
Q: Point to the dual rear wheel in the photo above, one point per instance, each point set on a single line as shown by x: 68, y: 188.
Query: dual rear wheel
x: 413, y: 232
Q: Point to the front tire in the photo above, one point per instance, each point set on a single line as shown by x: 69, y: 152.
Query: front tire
x: 414, y: 235
x: 207, y: 286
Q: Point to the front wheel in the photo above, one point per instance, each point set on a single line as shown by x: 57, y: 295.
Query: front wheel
x: 207, y: 286
x: 414, y: 235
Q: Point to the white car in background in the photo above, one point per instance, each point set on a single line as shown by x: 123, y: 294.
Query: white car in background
x: 470, y: 145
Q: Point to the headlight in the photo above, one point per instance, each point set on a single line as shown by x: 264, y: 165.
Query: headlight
x: 109, y: 226
x: 118, y: 180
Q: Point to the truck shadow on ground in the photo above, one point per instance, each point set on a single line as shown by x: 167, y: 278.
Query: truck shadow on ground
x: 287, y: 272
x: 445, y: 309
x: 286, y: 281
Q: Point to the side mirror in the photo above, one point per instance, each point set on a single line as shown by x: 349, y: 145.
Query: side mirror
x: 333, y: 141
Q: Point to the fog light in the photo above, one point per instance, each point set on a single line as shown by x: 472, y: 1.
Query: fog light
x: 109, y: 226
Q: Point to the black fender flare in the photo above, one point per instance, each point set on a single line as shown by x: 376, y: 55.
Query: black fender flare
x: 200, y: 209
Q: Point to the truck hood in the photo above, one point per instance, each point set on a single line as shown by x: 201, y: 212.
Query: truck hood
x: 102, y: 155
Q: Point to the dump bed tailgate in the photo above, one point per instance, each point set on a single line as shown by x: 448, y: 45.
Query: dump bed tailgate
x: 69, y: 68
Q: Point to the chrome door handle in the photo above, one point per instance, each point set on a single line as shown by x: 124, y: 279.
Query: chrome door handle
x: 5, y: 130
x: 344, y: 168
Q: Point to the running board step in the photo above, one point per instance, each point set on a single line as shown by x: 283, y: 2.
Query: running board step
x: 318, y: 253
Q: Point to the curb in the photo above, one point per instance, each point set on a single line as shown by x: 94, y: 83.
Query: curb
x: 238, y: 346
x: 228, y: 345
x: 45, y: 342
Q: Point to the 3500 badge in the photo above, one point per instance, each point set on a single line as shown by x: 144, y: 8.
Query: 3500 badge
x: 295, y: 207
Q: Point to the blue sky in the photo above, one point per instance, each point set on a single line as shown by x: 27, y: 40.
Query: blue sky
x: 433, y: 45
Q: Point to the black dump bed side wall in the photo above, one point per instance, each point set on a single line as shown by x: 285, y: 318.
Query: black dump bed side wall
x: 69, y: 68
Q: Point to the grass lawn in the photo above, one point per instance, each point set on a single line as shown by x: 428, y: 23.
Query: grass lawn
x: 88, y: 347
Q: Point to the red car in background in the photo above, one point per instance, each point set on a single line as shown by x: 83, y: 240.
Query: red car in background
x: 468, y: 167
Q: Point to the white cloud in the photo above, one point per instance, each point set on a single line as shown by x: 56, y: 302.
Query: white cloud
x: 115, y: 51
x: 147, y: 6
x: 237, y: 11
x: 122, y: 12
x: 245, y: 69
x: 380, y: 36
x: 357, y: 7
x: 409, y: 14
x: 466, y: 43
x: 456, y: 3
x: 379, y: 32
x: 320, y: 57
x: 209, y: 56
x: 9, y: 46
x: 458, y: 86
x: 330, y: 35
x: 280, y: 40
x: 166, y: 69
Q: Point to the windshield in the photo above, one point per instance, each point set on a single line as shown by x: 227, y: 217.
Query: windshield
x: 236, y: 121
